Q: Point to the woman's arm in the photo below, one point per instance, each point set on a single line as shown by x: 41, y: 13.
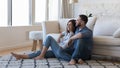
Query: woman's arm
x: 59, y: 38
x: 70, y: 35
x: 61, y: 35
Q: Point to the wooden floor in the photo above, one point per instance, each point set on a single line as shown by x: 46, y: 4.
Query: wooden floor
x: 16, y: 50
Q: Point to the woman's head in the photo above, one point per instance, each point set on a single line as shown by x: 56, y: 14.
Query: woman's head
x: 71, y: 25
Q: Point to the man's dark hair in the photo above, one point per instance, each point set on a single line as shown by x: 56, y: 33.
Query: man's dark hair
x: 84, y: 18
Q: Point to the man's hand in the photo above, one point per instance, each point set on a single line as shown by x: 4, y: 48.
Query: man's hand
x: 69, y: 42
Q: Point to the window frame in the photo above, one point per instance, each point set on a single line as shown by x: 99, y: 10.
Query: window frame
x: 10, y: 12
x: 31, y: 12
x: 47, y: 11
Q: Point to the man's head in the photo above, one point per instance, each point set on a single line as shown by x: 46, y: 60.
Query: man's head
x: 82, y: 20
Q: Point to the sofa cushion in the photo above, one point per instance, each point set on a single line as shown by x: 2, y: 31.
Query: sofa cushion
x: 117, y: 33
x: 106, y: 26
x: 52, y: 27
x: 106, y: 40
x: 63, y: 24
x: 91, y: 22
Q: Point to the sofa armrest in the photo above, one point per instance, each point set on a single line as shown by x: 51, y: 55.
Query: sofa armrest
x: 50, y: 27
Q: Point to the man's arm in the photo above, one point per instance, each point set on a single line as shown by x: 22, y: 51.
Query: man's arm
x: 79, y: 35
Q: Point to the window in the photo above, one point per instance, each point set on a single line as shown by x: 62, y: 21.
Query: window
x: 3, y: 12
x: 53, y: 9
x: 20, y: 12
x: 40, y: 10
x: 46, y: 10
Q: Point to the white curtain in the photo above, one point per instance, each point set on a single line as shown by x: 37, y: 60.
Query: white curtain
x: 66, y: 9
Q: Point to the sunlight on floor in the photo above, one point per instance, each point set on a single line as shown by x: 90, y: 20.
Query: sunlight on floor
x: 16, y: 50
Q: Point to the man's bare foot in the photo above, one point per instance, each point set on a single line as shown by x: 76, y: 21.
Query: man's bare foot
x: 80, y: 61
x: 38, y: 58
x: 17, y: 56
x: 72, y: 62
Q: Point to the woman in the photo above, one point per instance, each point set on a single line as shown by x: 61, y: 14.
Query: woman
x: 56, y: 46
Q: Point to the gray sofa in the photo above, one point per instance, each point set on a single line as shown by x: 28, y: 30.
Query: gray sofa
x: 106, y: 33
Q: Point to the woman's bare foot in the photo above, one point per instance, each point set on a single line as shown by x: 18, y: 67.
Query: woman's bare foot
x: 17, y: 56
x: 38, y: 58
x: 80, y: 61
x: 72, y: 62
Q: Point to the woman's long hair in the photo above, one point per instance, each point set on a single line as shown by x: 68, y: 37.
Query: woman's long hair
x: 73, y: 25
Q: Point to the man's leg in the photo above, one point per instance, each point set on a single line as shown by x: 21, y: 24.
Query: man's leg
x: 79, y: 49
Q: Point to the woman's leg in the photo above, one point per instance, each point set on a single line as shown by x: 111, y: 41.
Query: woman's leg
x: 48, y: 42
x: 41, y: 56
x: 20, y: 56
x: 26, y: 56
x: 49, y: 54
x: 64, y: 54
x: 56, y: 49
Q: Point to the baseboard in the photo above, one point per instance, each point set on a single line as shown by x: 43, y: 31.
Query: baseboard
x: 105, y: 57
x: 15, y: 46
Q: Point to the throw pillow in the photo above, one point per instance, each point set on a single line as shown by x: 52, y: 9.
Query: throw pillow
x: 116, y: 34
x: 91, y: 22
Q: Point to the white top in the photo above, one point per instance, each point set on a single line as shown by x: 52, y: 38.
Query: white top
x: 64, y: 41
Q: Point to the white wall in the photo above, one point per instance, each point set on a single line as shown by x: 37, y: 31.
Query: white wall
x: 15, y: 37
x: 101, y: 8
x: 97, y: 7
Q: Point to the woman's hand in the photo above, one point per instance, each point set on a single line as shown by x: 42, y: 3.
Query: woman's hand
x: 58, y: 40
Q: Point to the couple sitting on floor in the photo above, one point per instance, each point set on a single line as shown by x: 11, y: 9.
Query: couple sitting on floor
x: 75, y: 47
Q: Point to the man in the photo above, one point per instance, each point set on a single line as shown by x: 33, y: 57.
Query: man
x: 83, y: 40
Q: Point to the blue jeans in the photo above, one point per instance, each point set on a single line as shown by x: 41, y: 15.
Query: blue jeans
x: 82, y: 49
x: 49, y: 54
x: 56, y: 51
